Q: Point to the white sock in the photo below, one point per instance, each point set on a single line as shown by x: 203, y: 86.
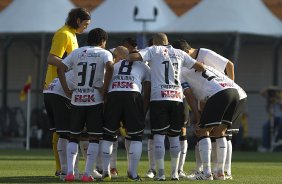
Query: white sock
x: 92, y: 153
x: 62, y: 151
x: 174, y: 154
x: 99, y: 163
x: 159, y: 152
x: 205, y: 153
x: 72, y: 151
x: 127, y: 147
x: 214, y: 156
x: 135, y: 151
x: 227, y: 166
x: 83, y: 145
x: 107, y: 149
x: 199, y: 164
x: 76, y: 164
x: 151, y: 154
x: 113, y: 162
x: 221, y: 154
x: 183, y: 152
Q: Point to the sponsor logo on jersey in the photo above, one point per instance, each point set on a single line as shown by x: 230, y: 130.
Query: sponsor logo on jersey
x: 226, y: 85
x: 171, y: 94
x: 122, y: 85
x: 84, y: 98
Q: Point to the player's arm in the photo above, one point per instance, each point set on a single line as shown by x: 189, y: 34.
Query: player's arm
x: 58, y: 49
x: 62, y: 68
x: 53, y: 60
x: 146, y: 94
x: 192, y: 102
x: 199, y: 66
x: 229, y: 69
x: 108, y: 76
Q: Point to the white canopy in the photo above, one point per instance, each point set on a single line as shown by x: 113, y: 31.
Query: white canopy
x: 227, y: 16
x: 117, y: 16
x: 26, y: 16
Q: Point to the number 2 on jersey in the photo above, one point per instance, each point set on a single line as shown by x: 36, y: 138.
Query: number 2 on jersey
x: 175, y: 66
x: 84, y: 71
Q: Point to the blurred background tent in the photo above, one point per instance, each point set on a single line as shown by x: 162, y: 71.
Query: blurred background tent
x: 244, y: 31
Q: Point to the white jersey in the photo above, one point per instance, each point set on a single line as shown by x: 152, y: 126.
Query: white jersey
x: 165, y: 63
x: 207, y: 83
x: 55, y: 86
x: 128, y: 76
x: 211, y: 58
x: 88, y: 64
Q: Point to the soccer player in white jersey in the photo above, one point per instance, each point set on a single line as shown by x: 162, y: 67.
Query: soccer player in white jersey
x: 166, y: 107
x: 58, y: 107
x: 125, y: 103
x: 93, y: 68
x: 221, y: 97
x: 222, y: 64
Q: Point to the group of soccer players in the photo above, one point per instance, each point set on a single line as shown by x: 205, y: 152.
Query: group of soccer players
x: 97, y: 92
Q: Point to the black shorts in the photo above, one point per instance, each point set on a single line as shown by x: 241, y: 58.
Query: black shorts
x: 220, y: 108
x: 58, y: 109
x: 90, y: 117
x: 237, y: 117
x: 166, y: 117
x: 125, y: 106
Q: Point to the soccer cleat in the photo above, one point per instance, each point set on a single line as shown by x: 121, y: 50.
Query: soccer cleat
x: 151, y: 173
x: 219, y: 176
x: 57, y: 173
x: 96, y: 174
x: 114, y: 172
x: 130, y: 178
x: 182, y: 174
x: 106, y: 177
x: 62, y: 176
x: 201, y: 176
x: 86, y: 178
x: 160, y: 178
x: 69, y: 177
x: 192, y: 174
x: 228, y: 176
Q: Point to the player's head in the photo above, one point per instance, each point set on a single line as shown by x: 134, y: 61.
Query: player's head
x: 130, y: 43
x: 97, y: 37
x: 182, y: 44
x: 160, y: 39
x: 120, y: 53
x: 78, y: 19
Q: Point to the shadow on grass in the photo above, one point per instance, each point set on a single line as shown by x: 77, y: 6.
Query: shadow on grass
x: 29, y: 179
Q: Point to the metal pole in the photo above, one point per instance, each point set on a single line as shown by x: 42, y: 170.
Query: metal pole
x: 7, y: 45
x: 237, y: 45
x: 28, y: 119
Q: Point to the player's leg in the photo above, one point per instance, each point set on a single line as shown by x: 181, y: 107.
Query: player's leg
x: 183, y: 152
x: 151, y: 157
x: 48, y: 101
x: 113, y: 161
x: 176, y: 120
x: 78, y: 118
x: 134, y: 123
x: 159, y: 125
x: 112, y: 117
x: 95, y: 131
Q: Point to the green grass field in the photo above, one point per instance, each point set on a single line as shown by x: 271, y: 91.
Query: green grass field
x: 37, y: 166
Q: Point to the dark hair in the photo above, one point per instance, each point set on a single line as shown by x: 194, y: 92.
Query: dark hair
x: 130, y: 41
x: 77, y: 13
x: 150, y: 42
x: 181, y: 44
x: 96, y: 37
